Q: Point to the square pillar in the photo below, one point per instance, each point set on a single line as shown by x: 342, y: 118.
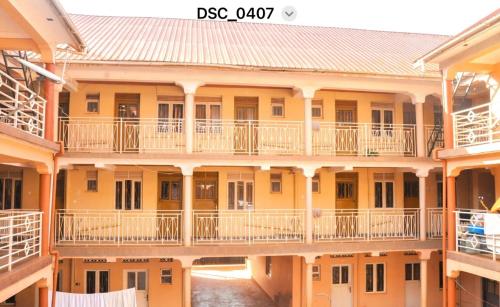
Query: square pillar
x: 422, y: 203
x: 187, y: 200
x: 308, y: 126
x: 309, y: 174
x: 186, y: 286
x: 420, y: 129
x: 189, y: 122
x: 424, y: 256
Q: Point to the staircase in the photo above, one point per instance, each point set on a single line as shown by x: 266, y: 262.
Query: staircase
x: 436, y: 137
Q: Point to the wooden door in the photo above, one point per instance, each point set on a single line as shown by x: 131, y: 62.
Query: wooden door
x: 341, y: 292
x: 346, y: 136
x: 410, y: 190
x: 346, y: 191
x: 245, y: 132
x: 127, y: 108
x: 169, y: 192
x: 205, y: 191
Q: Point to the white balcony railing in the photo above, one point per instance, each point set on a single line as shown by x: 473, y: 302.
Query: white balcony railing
x: 20, y: 236
x: 20, y: 107
x: 362, y: 139
x: 434, y: 223
x: 366, y: 224
x: 248, y: 226
x: 115, y: 227
x: 475, y: 126
x: 248, y: 137
x: 94, y: 134
x: 472, y: 236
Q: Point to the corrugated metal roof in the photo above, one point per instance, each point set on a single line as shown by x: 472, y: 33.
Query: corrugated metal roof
x: 267, y: 46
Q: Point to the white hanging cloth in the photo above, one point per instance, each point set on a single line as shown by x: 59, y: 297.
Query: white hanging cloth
x: 123, y: 298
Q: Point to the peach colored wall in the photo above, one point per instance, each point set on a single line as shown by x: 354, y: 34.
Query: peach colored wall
x: 278, y: 286
x: 472, y: 283
x: 158, y: 294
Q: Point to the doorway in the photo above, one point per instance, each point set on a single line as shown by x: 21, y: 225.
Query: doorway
x: 139, y: 281
x: 346, y: 117
x: 245, y: 131
x: 127, y: 108
x: 412, y: 285
x: 346, y: 191
x: 169, y: 192
x: 411, y: 191
x: 341, y: 292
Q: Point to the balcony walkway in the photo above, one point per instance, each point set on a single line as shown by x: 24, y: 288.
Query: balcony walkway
x: 239, y: 289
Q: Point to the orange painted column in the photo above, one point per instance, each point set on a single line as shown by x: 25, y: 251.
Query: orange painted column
x: 45, y: 179
x: 450, y: 203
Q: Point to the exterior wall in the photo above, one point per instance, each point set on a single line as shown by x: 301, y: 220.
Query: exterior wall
x: 158, y: 294
x: 26, y: 298
x: 30, y: 179
x: 471, y: 184
x: 279, y: 285
x: 471, y: 296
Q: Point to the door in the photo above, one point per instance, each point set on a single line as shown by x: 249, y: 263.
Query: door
x: 240, y: 194
x: 245, y: 131
x: 346, y: 191
x: 127, y: 112
x: 411, y: 188
x: 169, y: 192
x: 346, y: 136
x: 205, y: 205
x: 342, y: 292
x: 412, y: 285
x: 139, y: 281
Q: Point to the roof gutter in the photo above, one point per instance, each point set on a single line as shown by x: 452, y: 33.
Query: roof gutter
x: 81, y: 47
x: 475, y: 29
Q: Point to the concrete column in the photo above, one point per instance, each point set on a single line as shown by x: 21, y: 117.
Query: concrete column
x: 422, y: 204
x: 186, y: 286
x: 309, y: 174
x: 424, y: 260
x: 451, y: 206
x: 447, y: 110
x: 419, y: 111
x: 189, y: 122
x: 187, y: 199
x: 308, y: 126
x: 309, y: 285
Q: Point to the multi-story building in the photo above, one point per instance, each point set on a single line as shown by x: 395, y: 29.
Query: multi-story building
x: 27, y: 146
x: 311, y: 152
x: 471, y: 108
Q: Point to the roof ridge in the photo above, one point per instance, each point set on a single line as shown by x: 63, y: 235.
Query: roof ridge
x: 271, y: 24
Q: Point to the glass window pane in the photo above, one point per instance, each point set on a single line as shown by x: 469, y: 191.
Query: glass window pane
x: 163, y: 111
x: 210, y: 190
x: 376, y: 117
x: 378, y: 194
x: 369, y: 278
x: 389, y: 194
x: 130, y: 280
x: 137, y: 194
x: 18, y: 184
x: 388, y: 117
x: 250, y: 192
x: 230, y: 195
x: 336, y: 275
x: 176, y: 190
x: 118, y: 195
x: 201, y: 111
x: 103, y: 281
x: 199, y: 189
x: 380, y: 277
x: 214, y: 111
x: 141, y: 280
x: 128, y: 194
x: 178, y: 111
x: 408, y: 273
x: 165, y: 190
x: 345, y: 274
x: 240, y: 194
x: 8, y: 193
x: 90, y: 281
x: 416, y: 271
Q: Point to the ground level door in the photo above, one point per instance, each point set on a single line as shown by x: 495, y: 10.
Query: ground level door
x: 412, y: 285
x: 139, y: 281
x: 341, y: 293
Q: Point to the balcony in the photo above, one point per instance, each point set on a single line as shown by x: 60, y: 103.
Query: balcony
x: 20, y: 107
x: 81, y: 227
x: 474, y: 233
x: 249, y: 137
x: 476, y: 126
x: 20, y: 236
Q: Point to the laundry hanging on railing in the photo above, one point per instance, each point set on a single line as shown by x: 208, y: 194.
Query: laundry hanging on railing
x: 123, y: 298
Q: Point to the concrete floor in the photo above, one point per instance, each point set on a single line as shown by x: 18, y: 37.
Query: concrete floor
x: 220, y: 288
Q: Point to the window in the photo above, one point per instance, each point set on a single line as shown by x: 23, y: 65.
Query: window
x: 382, y: 121
x: 206, y: 189
x: 93, y: 103
x: 11, y: 185
x: 317, y: 109
x: 316, y: 271
x: 278, y: 107
x: 137, y: 280
x: 412, y: 271
x: 240, y: 194
x: 128, y: 191
x: 345, y: 190
x: 316, y: 183
x: 170, y: 190
x: 375, y: 277
x: 166, y: 276
x: 268, y: 266
x: 59, y: 286
x: 91, y: 181
x: 276, y: 183
x: 97, y: 282
x: 439, y: 190
x: 384, y: 190
x: 210, y: 111
x: 340, y: 275
x: 170, y: 107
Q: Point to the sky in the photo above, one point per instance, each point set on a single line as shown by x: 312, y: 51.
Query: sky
x: 421, y: 16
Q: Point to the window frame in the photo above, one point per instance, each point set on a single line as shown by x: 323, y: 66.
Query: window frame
x: 413, y: 275
x: 205, y: 182
x: 375, y: 277
x: 317, y: 103
x: 245, y: 183
x: 316, y: 272
x: 384, y: 182
x: 90, y: 177
x: 208, y: 110
x: 276, y: 180
x: 93, y: 98
x: 97, y: 281
x: 170, y: 274
x: 170, y: 193
x: 278, y: 103
x: 378, y: 128
x: 170, y: 111
x: 133, y: 194
x: 316, y: 180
